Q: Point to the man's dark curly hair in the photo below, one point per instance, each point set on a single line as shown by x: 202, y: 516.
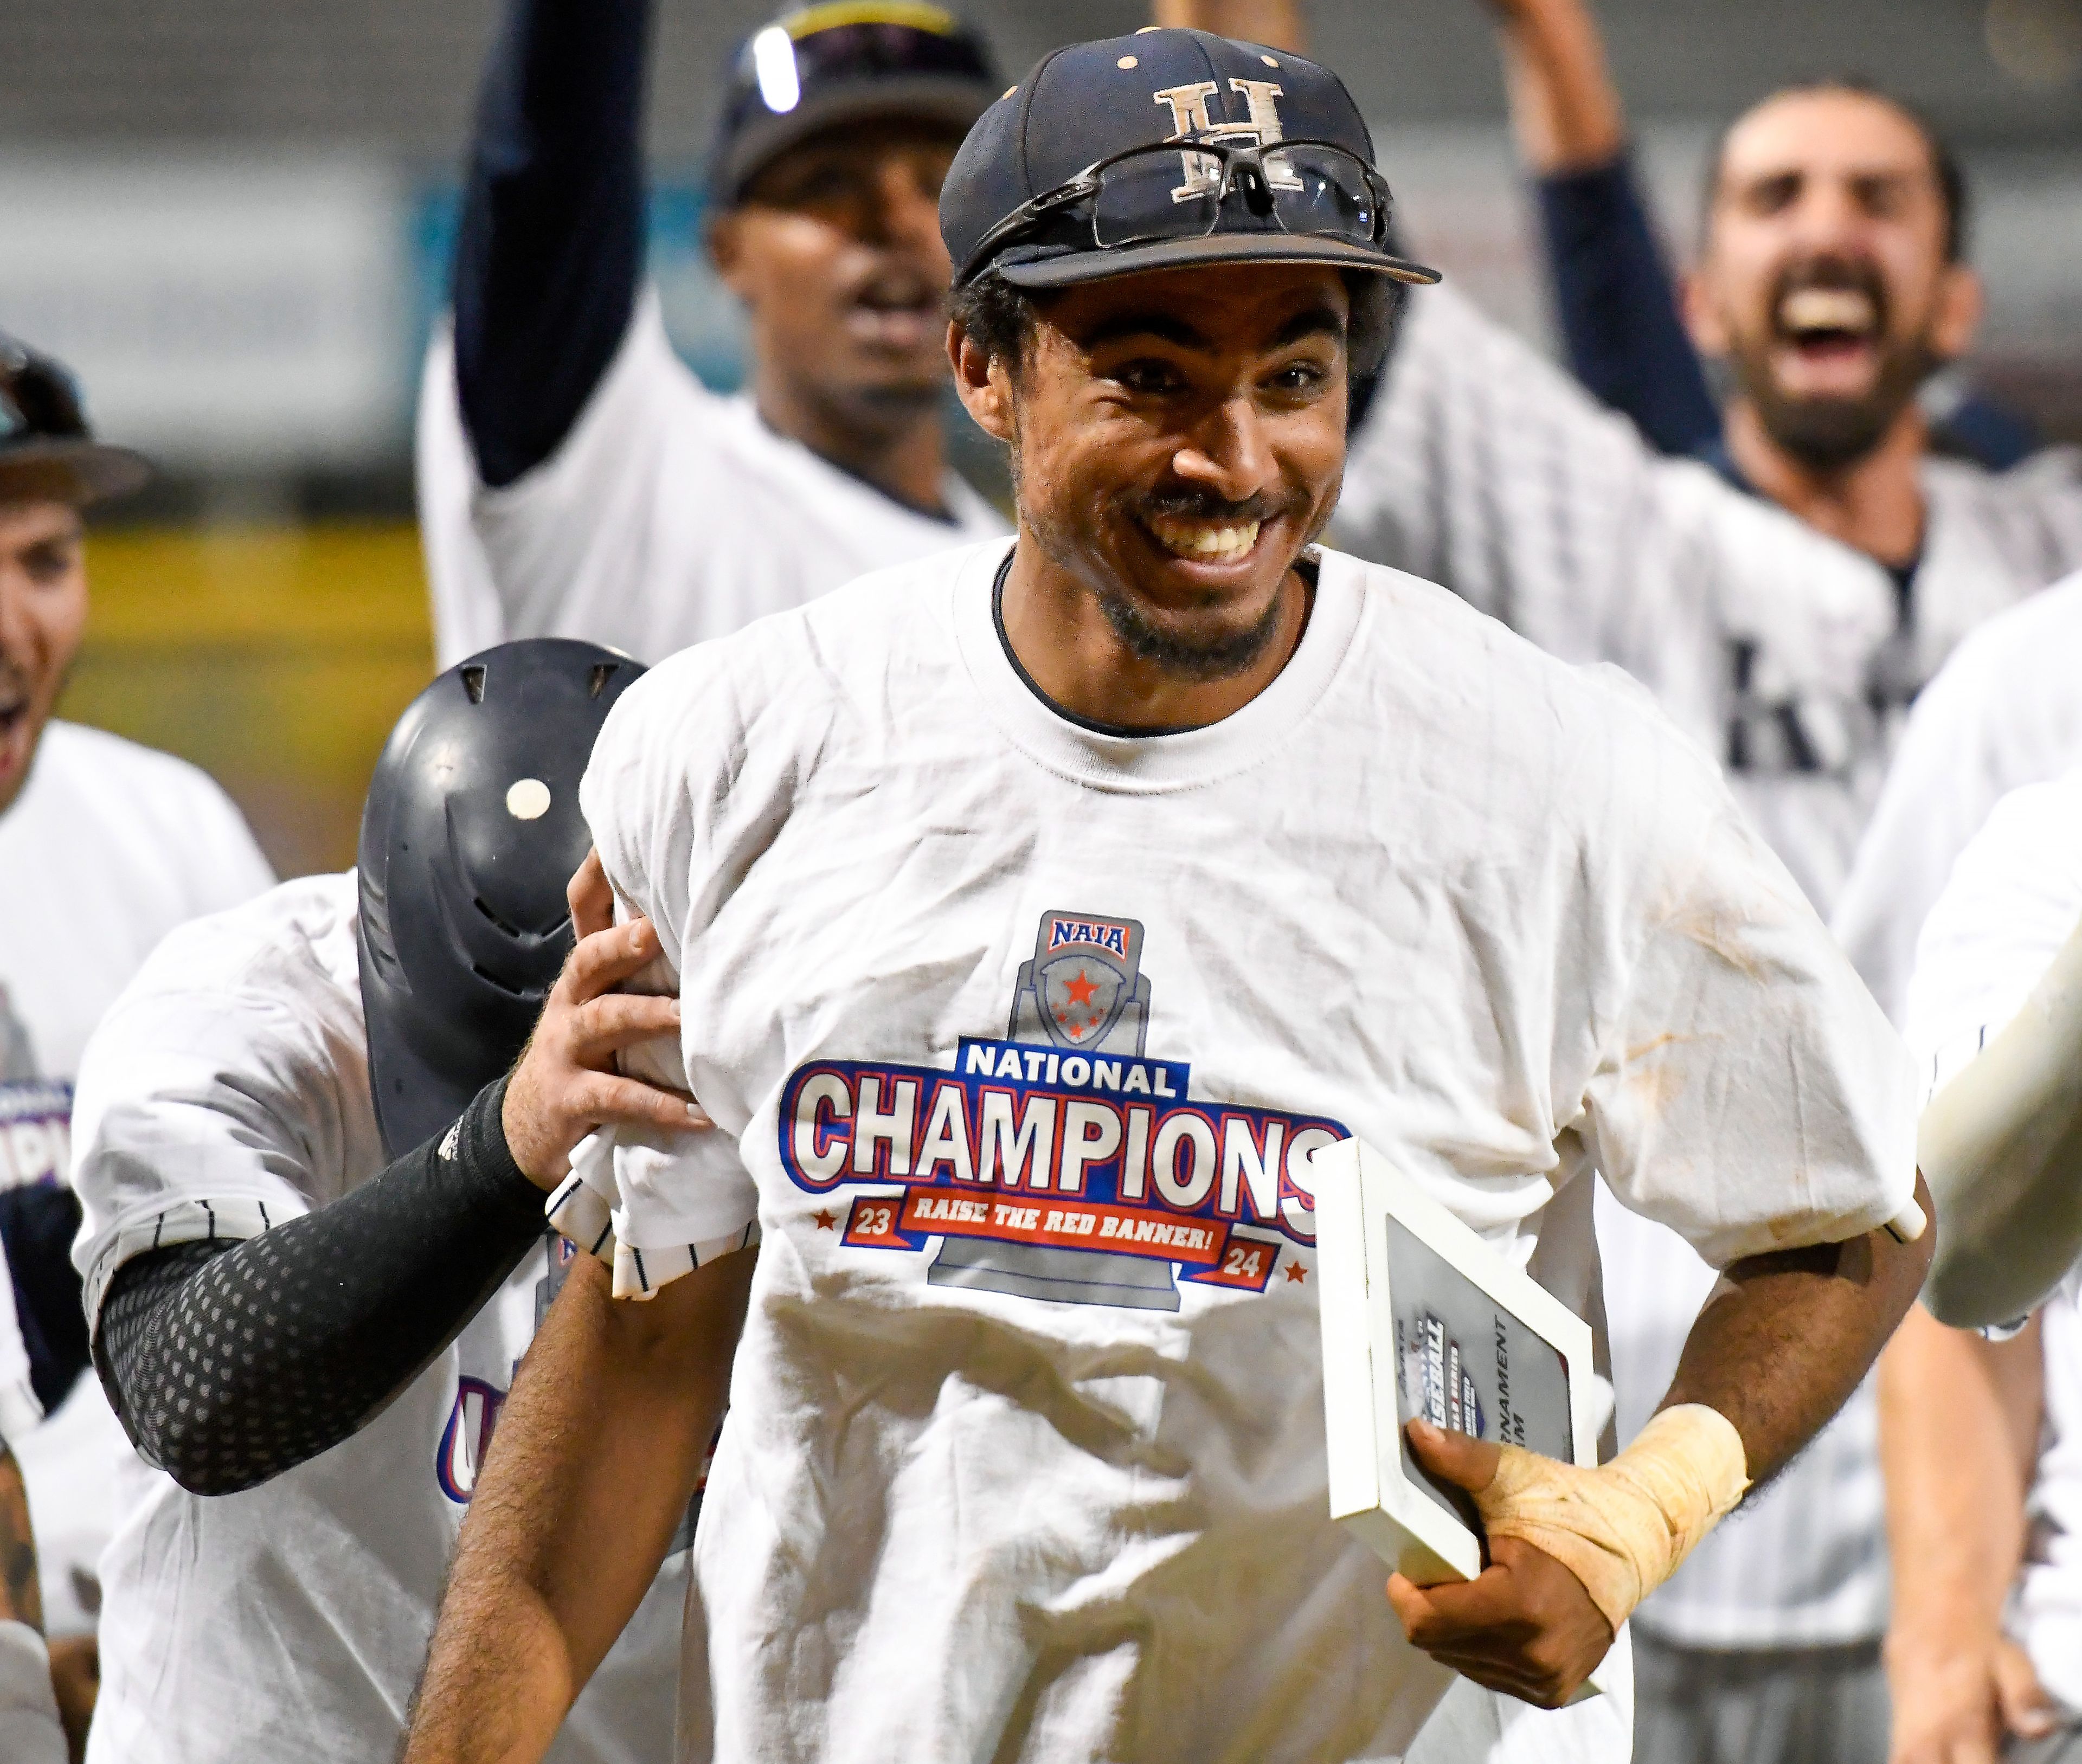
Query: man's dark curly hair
x: 1000, y: 318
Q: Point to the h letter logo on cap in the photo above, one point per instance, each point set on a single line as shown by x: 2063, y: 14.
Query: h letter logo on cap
x: 1190, y: 117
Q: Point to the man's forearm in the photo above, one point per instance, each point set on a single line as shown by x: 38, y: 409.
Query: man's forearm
x: 594, y: 1461
x: 1564, y: 106
x: 21, y: 1597
x: 550, y: 248
x: 1786, y: 1338
x: 1958, y: 1429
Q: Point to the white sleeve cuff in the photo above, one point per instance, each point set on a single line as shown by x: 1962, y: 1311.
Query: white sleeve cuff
x: 234, y: 1219
x: 30, y: 1730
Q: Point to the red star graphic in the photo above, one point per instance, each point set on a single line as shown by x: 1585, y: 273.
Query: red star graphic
x: 1297, y: 1273
x: 826, y: 1222
x: 1082, y: 989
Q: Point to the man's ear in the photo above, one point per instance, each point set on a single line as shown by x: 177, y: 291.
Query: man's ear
x: 983, y: 382
x: 1962, y: 301
x: 726, y: 244
x: 1702, y: 315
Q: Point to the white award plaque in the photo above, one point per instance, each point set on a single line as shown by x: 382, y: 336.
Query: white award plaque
x: 1423, y: 1320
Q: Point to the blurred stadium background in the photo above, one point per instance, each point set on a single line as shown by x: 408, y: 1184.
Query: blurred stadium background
x: 233, y: 217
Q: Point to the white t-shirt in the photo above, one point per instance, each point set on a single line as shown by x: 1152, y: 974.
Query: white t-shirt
x: 667, y: 516
x: 2006, y: 712
x: 108, y: 848
x: 226, y: 1093
x: 1487, y: 468
x: 1019, y: 1035
x: 2014, y: 898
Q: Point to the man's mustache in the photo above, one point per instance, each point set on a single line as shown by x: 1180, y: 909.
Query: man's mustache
x: 1190, y: 505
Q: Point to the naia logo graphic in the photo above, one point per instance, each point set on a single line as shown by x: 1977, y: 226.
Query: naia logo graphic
x: 1088, y: 1176
x: 467, y: 1437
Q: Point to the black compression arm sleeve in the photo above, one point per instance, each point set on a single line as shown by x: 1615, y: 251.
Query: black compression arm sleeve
x: 230, y: 1363
x: 550, y: 247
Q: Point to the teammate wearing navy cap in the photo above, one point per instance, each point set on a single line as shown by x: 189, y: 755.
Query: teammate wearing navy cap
x: 575, y: 478
x: 315, y: 1247
x: 1036, y: 912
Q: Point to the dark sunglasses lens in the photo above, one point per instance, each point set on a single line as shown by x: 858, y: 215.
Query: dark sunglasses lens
x: 1322, y: 193
x: 1169, y: 194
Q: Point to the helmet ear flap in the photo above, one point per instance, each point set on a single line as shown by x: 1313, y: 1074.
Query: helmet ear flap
x: 470, y: 835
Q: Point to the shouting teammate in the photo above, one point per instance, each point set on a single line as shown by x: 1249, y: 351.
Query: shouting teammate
x: 1035, y: 912
x: 94, y: 831
x: 314, y: 1249
x: 574, y: 479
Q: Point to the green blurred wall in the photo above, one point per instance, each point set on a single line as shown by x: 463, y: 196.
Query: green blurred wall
x: 276, y: 659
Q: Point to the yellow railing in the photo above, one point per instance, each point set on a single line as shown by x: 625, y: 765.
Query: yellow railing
x: 276, y: 658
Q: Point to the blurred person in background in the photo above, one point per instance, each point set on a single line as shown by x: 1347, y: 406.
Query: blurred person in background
x: 317, y: 1105
x: 575, y: 478
x: 104, y: 847
x: 1832, y: 284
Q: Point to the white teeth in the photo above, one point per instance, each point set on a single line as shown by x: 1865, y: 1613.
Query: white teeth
x: 1827, y: 308
x: 1197, y: 539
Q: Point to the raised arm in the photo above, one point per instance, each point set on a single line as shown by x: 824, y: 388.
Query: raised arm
x: 551, y: 245
x: 1614, y: 293
x: 596, y: 1455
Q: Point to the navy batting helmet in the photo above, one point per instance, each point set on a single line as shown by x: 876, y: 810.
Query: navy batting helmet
x: 471, y: 833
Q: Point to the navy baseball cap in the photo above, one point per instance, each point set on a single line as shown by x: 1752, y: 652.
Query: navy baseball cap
x: 850, y: 61
x: 46, y: 442
x: 1077, y: 174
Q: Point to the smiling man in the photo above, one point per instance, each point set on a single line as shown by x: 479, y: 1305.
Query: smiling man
x: 1035, y: 913
x: 104, y: 847
x: 575, y: 478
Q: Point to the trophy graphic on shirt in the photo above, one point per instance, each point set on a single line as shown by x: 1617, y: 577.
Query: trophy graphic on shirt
x: 1085, y: 993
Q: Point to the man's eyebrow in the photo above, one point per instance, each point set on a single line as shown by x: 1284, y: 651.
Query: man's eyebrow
x: 1316, y: 321
x: 1166, y: 327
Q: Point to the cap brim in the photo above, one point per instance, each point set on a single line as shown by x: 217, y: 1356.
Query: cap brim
x: 1097, y: 266
x: 923, y: 98
x: 80, y: 472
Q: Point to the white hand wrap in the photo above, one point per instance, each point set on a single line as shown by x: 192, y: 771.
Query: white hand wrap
x: 1623, y: 1528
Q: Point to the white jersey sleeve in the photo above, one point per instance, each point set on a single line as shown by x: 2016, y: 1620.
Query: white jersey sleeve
x: 2012, y: 901
x: 1484, y: 467
x: 227, y: 1090
x: 661, y: 827
x: 1740, y: 1008
x: 2003, y: 712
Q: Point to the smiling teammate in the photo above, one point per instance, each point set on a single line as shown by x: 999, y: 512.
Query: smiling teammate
x: 1034, y: 912
x: 94, y: 831
x: 576, y: 479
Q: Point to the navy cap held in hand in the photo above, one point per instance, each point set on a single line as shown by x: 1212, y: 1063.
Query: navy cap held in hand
x: 1076, y: 174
